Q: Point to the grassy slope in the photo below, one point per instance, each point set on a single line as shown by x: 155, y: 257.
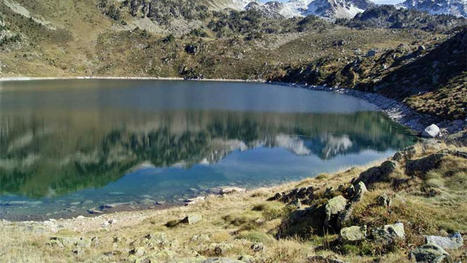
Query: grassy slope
x: 87, y: 42
x: 233, y: 223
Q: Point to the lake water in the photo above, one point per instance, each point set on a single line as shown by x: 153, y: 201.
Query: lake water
x: 67, y: 146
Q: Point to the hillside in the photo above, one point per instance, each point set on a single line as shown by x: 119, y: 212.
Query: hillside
x: 213, y: 39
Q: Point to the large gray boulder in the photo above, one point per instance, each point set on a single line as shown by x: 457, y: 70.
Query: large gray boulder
x: 335, y: 206
x: 353, y: 233
x: 191, y: 219
x: 389, y: 232
x: 430, y: 253
x: 431, y: 131
x: 333, y: 209
x: 454, y: 241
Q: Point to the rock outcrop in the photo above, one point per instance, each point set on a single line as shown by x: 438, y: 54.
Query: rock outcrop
x: 377, y: 174
x: 430, y: 253
x: 454, y: 241
x: 353, y: 233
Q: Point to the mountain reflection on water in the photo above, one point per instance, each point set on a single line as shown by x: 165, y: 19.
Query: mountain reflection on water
x: 50, y: 152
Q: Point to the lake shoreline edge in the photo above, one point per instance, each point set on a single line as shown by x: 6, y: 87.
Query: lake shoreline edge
x: 396, y: 111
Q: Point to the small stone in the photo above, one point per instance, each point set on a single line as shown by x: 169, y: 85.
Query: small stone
x: 139, y: 251
x: 371, y: 53
x: 257, y: 247
x: 195, y: 200
x: 384, y: 200
x: 353, y: 233
x: 94, y: 211
x: 246, y: 259
x: 192, y: 219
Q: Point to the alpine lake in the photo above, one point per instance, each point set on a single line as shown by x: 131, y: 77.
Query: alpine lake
x: 68, y: 147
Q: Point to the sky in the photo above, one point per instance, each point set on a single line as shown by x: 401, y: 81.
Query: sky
x: 376, y: 1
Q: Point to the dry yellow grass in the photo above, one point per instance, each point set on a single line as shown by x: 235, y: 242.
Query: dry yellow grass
x: 232, y: 224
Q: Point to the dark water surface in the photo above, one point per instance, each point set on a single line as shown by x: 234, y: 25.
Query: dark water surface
x: 70, y: 145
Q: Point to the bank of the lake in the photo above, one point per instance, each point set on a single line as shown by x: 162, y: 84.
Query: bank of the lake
x: 395, y: 110
x: 245, y: 226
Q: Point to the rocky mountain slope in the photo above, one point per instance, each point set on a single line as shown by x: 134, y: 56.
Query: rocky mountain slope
x: 450, y: 7
x: 387, y: 16
x: 324, y: 8
x: 202, y: 39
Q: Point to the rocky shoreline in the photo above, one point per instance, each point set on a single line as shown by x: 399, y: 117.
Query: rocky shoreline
x: 395, y: 110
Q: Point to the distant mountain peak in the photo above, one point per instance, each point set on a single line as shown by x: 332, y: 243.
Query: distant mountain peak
x: 448, y: 7
x: 323, y: 8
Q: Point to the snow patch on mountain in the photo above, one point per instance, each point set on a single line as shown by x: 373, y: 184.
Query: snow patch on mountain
x: 300, y: 8
x: 436, y: 7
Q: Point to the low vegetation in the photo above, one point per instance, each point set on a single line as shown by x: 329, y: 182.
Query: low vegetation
x: 421, y: 188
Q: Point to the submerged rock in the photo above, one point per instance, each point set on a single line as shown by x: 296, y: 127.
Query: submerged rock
x: 454, y: 241
x: 430, y: 253
x: 431, y: 131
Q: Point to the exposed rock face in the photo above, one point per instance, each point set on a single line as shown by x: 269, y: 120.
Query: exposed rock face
x: 270, y: 9
x: 305, y: 194
x: 388, y: 16
x: 338, y: 8
x: 430, y: 253
x: 353, y: 233
x: 323, y: 8
x: 454, y: 241
x: 448, y: 7
x: 377, y: 174
x: 419, y: 167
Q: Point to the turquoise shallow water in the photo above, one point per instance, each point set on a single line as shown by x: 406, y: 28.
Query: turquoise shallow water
x: 67, y: 146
